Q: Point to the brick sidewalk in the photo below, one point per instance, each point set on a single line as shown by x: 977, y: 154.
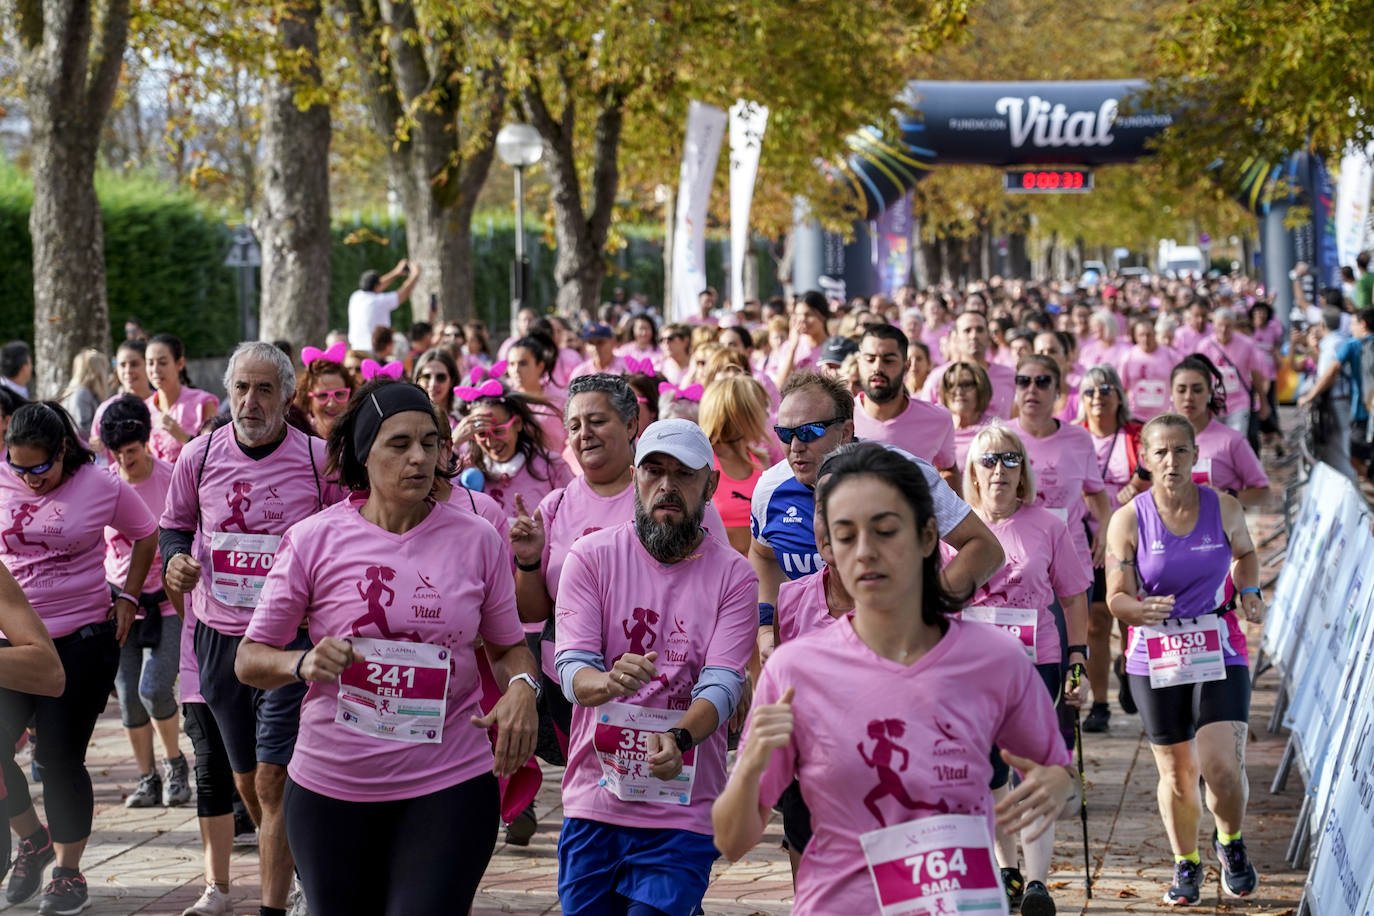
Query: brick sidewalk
x: 149, y: 861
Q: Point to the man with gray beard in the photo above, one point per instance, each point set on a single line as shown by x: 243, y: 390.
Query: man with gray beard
x: 656, y: 622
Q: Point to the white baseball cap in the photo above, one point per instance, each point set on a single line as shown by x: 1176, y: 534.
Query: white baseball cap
x: 682, y: 439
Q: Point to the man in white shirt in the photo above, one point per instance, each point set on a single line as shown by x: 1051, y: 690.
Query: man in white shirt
x: 370, y: 306
x: 16, y: 367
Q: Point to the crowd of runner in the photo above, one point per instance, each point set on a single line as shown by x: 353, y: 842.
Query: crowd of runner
x: 885, y: 547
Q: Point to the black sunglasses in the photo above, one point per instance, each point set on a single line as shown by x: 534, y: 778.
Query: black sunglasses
x: 1043, y: 382
x: 1009, y: 459
x: 807, y: 432
x: 1101, y: 391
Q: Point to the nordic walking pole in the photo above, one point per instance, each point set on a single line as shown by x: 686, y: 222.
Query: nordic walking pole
x: 1076, y: 676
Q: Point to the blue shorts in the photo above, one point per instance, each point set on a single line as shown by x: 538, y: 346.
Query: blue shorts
x: 602, y: 868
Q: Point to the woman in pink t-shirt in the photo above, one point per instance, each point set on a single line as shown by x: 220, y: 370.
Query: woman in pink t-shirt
x: 1040, y: 571
x: 392, y: 766
x: 807, y: 332
x: 1145, y: 371
x: 502, y: 439
x: 131, y: 368
x: 529, y: 365
x: 1069, y: 483
x: 151, y: 657
x: 1054, y: 345
x: 861, y: 712
x: 437, y: 372
x: 323, y: 388
x: 57, y: 504
x: 967, y: 393
x: 641, y: 340
x: 1225, y: 460
x: 178, y: 409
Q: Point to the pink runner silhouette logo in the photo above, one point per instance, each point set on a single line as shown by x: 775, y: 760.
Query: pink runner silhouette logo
x: 239, y: 503
x: 883, y: 731
x: 642, y: 635
x: 376, y: 590
x: 21, y: 518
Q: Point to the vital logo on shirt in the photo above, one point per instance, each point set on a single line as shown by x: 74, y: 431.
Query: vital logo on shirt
x: 20, y: 519
x: 272, y: 508
x: 884, y: 734
x: 379, y: 596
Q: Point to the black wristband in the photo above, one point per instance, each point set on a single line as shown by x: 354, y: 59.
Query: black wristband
x: 296, y: 672
x: 1081, y: 650
x: 533, y: 567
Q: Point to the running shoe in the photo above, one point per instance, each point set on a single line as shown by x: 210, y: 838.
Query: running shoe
x: 1037, y: 900
x: 27, y: 876
x: 295, y: 901
x: 1097, y: 718
x: 1186, y: 889
x: 1238, y: 875
x: 1015, y: 885
x: 65, y: 894
x: 1123, y: 687
x: 212, y: 902
x: 147, y: 794
x: 520, y: 831
x: 176, y: 782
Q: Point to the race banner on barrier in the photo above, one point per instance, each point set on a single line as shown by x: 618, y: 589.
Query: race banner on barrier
x: 705, y: 132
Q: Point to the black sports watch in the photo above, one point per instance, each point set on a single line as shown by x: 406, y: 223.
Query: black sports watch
x: 1083, y: 650
x: 683, y: 738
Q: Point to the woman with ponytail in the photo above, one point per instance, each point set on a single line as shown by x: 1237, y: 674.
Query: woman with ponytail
x: 177, y: 407
x: 1225, y: 461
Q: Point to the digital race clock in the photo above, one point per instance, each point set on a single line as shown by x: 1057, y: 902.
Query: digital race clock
x: 1048, y: 181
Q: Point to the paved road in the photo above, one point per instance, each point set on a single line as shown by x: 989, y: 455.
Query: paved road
x: 149, y: 861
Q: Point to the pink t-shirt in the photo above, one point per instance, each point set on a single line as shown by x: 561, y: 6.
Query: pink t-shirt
x: 1236, y: 361
x: 963, y: 438
x: 802, y: 607
x: 1003, y: 382
x: 924, y: 429
x: 550, y: 419
x: 188, y: 410
x: 652, y: 354
x: 1065, y: 466
x: 1227, y: 460
x: 671, y: 370
x: 188, y: 674
x: 343, y: 576
x: 1186, y: 339
x: 934, y: 339
x: 563, y: 366
x: 55, y: 543
x: 1114, y: 463
x: 531, y: 480
x: 1040, y: 565
x: 1267, y: 340
x: 119, y: 549
x: 1097, y: 353
x: 589, y: 367
x: 577, y: 510
x: 701, y: 612
x: 1145, y: 377
x: 230, y: 492
x: 871, y: 735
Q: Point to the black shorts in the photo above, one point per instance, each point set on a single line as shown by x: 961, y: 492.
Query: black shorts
x: 796, y: 819
x: 1172, y: 715
x: 1099, y: 585
x: 258, y: 726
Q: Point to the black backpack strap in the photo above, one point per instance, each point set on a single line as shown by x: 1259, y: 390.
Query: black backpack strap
x: 200, y: 477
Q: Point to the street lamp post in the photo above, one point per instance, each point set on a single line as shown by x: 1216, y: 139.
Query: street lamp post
x: 519, y: 146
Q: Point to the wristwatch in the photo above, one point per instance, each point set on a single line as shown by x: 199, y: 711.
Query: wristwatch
x: 534, y: 685
x: 683, y: 738
x: 1258, y: 594
x: 1081, y: 650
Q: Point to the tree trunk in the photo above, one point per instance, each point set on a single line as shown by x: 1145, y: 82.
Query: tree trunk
x: 579, y: 230
x: 415, y: 95
x: 293, y: 229
x: 69, y: 61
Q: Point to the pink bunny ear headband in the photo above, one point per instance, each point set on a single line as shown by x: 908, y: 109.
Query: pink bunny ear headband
x: 491, y: 388
x: 334, y: 354
x: 642, y: 366
x: 371, y: 369
x: 690, y: 393
x: 497, y: 371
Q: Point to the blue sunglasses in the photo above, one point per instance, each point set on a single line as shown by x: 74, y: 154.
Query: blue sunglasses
x: 807, y: 432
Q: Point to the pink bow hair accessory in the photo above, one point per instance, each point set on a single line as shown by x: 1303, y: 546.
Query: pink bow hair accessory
x: 491, y: 388
x: 334, y: 354
x: 478, y: 374
x: 690, y: 393
x: 642, y: 366
x: 371, y: 369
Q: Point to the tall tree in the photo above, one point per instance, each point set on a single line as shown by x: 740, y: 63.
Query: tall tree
x: 293, y: 226
x: 70, y: 53
x: 438, y: 103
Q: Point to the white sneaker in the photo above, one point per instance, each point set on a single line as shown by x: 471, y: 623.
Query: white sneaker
x: 295, y: 901
x: 214, y: 902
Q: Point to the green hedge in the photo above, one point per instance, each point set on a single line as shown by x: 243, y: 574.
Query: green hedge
x: 165, y: 250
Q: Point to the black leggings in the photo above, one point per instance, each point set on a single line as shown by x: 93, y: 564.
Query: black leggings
x: 214, y: 778
x: 420, y: 855
x: 65, y: 725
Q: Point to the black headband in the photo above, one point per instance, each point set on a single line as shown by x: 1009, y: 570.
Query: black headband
x: 385, y: 401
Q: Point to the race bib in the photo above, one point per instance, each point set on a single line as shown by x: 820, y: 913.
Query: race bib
x: 1231, y: 379
x: 621, y: 741
x: 1149, y: 394
x: 1060, y: 513
x: 1017, y: 621
x: 399, y: 692
x: 1202, y: 471
x: 239, y: 565
x: 1185, y: 651
x: 934, y: 866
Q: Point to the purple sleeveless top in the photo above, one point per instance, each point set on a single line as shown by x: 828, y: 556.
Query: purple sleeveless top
x: 1191, y: 567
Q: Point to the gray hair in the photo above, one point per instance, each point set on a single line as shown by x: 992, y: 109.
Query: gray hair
x: 1104, y: 375
x: 1224, y: 313
x: 618, y: 392
x: 261, y: 349
x: 1107, y: 319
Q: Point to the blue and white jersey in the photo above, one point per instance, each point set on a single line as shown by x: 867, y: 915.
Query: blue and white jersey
x: 782, y: 512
